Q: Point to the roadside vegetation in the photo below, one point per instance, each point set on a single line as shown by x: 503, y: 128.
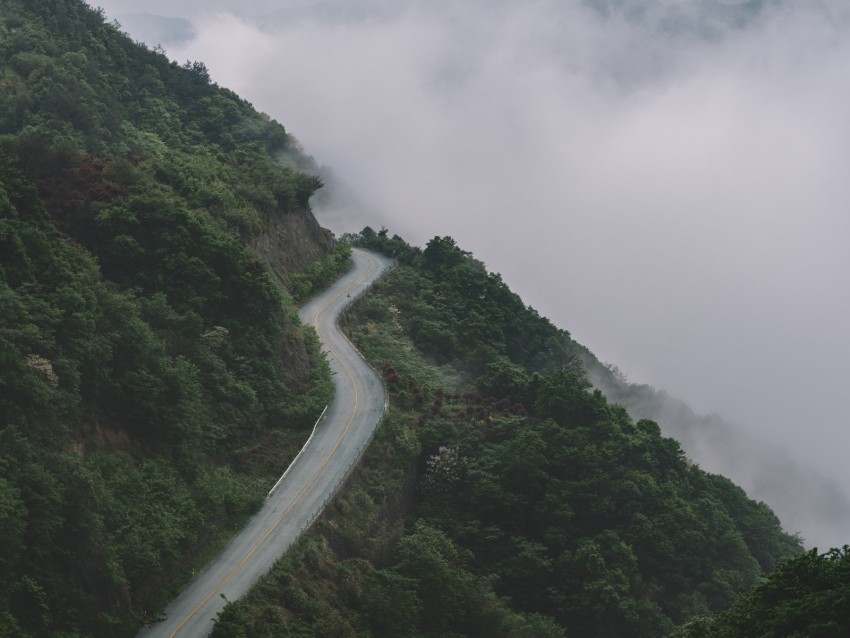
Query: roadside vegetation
x: 320, y: 274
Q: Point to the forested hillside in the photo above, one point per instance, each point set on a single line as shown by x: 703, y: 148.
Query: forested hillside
x: 153, y: 372
x: 503, y: 496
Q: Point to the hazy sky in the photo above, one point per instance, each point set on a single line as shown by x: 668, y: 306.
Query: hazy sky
x: 665, y: 179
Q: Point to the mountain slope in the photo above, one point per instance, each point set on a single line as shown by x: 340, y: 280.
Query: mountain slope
x: 506, y: 497
x: 154, y: 376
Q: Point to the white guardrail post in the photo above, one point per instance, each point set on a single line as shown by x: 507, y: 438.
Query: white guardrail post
x: 298, y: 456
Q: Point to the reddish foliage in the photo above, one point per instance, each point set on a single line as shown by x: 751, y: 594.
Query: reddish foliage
x: 66, y: 178
x: 391, y: 375
x: 436, y: 406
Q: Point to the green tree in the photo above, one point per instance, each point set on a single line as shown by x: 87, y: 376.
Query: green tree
x: 805, y: 596
x: 507, y: 380
x: 391, y: 604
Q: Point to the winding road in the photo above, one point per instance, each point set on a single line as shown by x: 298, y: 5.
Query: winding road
x: 339, y: 439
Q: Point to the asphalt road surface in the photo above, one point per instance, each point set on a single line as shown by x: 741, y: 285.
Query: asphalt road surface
x: 340, y: 438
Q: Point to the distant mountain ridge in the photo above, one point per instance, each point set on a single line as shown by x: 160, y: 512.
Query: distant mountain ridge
x: 806, y: 501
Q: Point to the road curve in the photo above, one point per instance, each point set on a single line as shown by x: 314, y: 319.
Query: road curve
x: 340, y: 437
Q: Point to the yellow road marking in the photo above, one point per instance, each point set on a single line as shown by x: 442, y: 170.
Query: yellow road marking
x: 259, y: 543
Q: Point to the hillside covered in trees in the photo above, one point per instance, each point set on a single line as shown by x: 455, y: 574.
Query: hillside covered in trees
x: 153, y: 373
x: 503, y: 496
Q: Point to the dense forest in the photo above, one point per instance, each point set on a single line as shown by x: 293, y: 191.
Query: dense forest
x: 503, y: 495
x: 154, y: 376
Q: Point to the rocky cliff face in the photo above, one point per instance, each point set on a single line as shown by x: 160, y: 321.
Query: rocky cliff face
x: 291, y: 241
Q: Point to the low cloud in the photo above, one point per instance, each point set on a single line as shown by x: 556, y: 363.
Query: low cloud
x: 664, y: 180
